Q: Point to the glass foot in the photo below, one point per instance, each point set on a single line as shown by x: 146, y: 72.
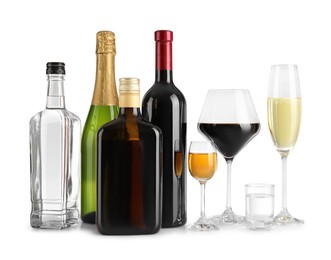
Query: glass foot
x: 285, y: 218
x: 203, y: 225
x: 227, y: 217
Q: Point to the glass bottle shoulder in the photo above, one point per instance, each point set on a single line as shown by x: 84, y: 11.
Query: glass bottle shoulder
x: 164, y: 93
x: 122, y: 123
x: 143, y: 124
x: 99, y: 115
x: 54, y: 116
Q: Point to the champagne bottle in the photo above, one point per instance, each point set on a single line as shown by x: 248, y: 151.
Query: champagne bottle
x: 165, y: 106
x: 104, y: 108
x: 54, y: 158
x: 129, y: 169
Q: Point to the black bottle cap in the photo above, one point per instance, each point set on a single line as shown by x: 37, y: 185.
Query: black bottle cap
x: 55, y: 68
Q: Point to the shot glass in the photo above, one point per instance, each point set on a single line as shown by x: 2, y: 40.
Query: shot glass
x: 259, y: 206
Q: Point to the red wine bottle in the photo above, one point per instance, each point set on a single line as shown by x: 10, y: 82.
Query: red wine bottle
x: 165, y: 106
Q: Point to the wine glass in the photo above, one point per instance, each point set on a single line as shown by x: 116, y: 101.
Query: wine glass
x: 284, y: 117
x: 178, y: 171
x: 202, y: 163
x: 229, y: 119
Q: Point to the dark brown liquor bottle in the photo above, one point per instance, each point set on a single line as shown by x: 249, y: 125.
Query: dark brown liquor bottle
x: 129, y: 169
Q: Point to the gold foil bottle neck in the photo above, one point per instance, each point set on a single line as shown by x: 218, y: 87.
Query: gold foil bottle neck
x: 129, y: 92
x: 105, y: 93
x: 106, y: 42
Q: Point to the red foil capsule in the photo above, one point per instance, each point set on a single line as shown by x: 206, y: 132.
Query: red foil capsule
x: 163, y: 39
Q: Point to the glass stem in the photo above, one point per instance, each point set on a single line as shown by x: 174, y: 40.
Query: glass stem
x: 202, y: 201
x: 284, y: 180
x: 228, y: 189
x: 179, y: 200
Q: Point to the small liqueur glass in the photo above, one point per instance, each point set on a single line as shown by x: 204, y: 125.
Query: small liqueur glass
x: 202, y: 162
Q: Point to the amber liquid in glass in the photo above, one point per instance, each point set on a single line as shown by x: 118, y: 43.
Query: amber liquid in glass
x: 202, y: 165
x: 178, y: 163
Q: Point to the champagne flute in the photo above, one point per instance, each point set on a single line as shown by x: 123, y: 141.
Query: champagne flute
x: 229, y: 119
x: 178, y: 171
x: 284, y: 117
x: 202, y: 162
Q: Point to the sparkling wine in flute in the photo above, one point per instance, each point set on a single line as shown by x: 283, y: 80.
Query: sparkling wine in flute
x: 284, y: 116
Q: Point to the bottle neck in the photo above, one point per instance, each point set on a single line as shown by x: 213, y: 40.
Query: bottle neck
x: 163, y: 61
x: 105, y: 93
x: 129, y: 111
x: 55, y: 92
x: 129, y: 100
x: 131, y: 116
x: 164, y: 76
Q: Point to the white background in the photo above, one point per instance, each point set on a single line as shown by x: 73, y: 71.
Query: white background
x: 217, y: 44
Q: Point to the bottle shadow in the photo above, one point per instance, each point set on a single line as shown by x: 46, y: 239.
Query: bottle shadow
x: 92, y: 228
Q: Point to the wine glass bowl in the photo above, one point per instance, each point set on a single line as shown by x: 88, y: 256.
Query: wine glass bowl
x: 284, y: 122
x: 229, y: 119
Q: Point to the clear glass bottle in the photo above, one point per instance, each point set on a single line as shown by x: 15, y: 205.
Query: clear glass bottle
x: 54, y: 158
x: 129, y: 167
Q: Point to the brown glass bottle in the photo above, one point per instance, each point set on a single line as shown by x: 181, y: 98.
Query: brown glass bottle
x: 129, y: 169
